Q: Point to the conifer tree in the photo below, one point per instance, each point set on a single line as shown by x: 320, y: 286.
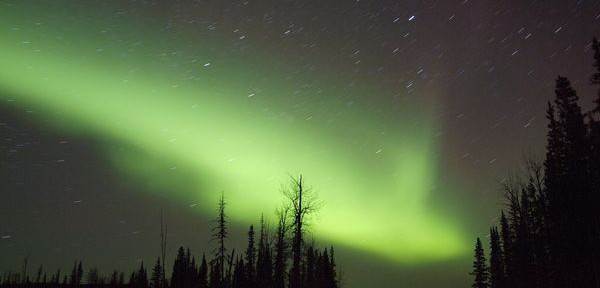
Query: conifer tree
x: 220, y: 234
x: 323, y: 270
x: 281, y: 249
x: 76, y: 274
x: 496, y: 262
x: 179, y: 266
x: 216, y: 280
x: 79, y: 273
x: 203, y: 273
x: 56, y: 278
x: 568, y: 189
x: 250, y: 259
x: 264, y: 262
x: 594, y: 138
x: 157, y: 277
x: 38, y: 277
x: 193, y: 273
x: 73, y: 276
x: 139, y: 279
x: 310, y: 267
x: 595, y: 79
x: 333, y: 283
x: 480, y: 271
x: 240, y: 274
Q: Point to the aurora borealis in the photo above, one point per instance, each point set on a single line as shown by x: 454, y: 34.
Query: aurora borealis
x: 185, y: 101
x: 219, y: 132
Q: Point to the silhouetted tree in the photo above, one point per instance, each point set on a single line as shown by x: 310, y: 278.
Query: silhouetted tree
x: 334, y: 281
x: 220, y: 233
x: 507, y: 247
x: 324, y: 271
x: 139, y: 279
x: 185, y: 272
x: 157, y: 276
x: 216, y: 280
x: 568, y: 189
x: 239, y: 278
x: 302, y: 203
x: 56, y: 278
x: 250, y: 259
x: 594, y: 138
x: 38, y: 277
x: 264, y: 262
x: 310, y: 267
x: 76, y: 274
x: 497, y: 276
x: 281, y: 248
x: 480, y: 271
x: 256, y: 268
x: 595, y: 79
x: 203, y: 274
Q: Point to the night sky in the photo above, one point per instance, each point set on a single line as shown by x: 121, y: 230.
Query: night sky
x: 403, y: 116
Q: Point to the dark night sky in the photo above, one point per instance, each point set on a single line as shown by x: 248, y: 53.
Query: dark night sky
x: 480, y: 71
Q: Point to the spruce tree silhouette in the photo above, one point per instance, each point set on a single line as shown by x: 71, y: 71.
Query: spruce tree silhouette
x: 333, y: 276
x: 480, y: 270
x: 250, y: 259
x: 507, y: 248
x: 220, y: 234
x: 568, y: 203
x: 179, y: 267
x: 264, y: 261
x: 203, y: 273
x: 281, y: 248
x: 595, y: 79
x: 594, y: 127
x: 496, y: 262
x: 157, y: 277
x: 139, y: 279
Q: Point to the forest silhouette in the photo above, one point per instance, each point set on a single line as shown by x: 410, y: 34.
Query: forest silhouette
x: 548, y: 234
x: 263, y: 264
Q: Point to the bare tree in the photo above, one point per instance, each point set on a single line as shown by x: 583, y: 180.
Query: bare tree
x: 302, y: 203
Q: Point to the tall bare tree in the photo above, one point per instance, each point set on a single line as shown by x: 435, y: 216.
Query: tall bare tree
x: 302, y: 203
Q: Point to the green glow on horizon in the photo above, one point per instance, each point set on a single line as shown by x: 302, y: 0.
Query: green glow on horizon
x: 207, y: 132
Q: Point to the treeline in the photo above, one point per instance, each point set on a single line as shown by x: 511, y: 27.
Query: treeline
x: 549, y: 232
x: 273, y: 259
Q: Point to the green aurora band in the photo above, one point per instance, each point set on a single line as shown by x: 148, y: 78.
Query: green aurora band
x: 234, y: 125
